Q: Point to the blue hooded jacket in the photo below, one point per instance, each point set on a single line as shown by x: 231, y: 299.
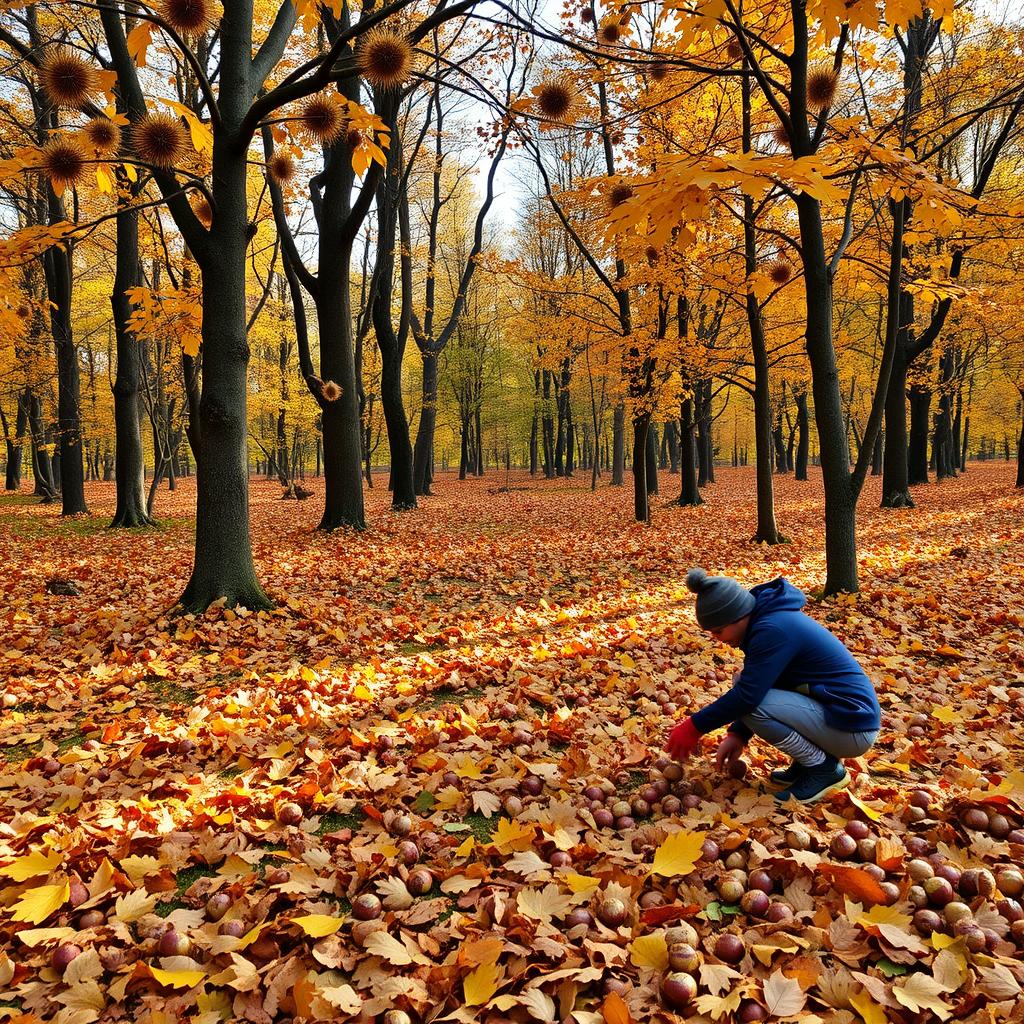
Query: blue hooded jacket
x: 786, y: 649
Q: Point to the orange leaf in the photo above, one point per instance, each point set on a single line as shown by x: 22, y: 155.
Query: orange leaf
x: 614, y: 1010
x: 854, y: 882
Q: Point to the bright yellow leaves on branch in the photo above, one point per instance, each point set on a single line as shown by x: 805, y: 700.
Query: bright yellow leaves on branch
x: 177, y: 313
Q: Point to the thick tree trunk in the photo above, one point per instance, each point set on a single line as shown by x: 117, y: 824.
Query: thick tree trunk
x: 57, y: 264
x: 223, y: 553
x: 423, y: 456
x: 672, y: 442
x: 641, y: 505
x: 534, y: 425
x: 840, y: 501
x: 12, y: 480
x: 132, y: 508
x: 1020, y: 446
x: 689, y: 492
x: 895, y: 464
x: 42, y: 466
x: 917, y: 448
x: 652, y: 458
x: 702, y: 411
x: 618, y: 446
x: 403, y: 494
x: 876, y: 455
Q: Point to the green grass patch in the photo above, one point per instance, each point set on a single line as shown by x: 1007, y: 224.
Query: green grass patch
x: 231, y: 771
x: 414, y: 647
x: 446, y: 695
x: 20, y: 751
x: 187, y: 877
x: 71, y: 739
x: 637, y: 779
x: 166, y: 691
x: 332, y: 821
x: 168, y: 908
x: 480, y: 826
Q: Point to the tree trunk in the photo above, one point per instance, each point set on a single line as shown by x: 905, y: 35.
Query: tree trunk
x: 534, y: 425
x: 917, y: 448
x: 223, y: 565
x: 641, y: 506
x: 876, y: 456
x: 403, y: 491
x: 1020, y: 445
x: 14, y: 446
x: 689, y: 492
x: 702, y: 411
x: 479, y: 444
x: 132, y: 508
x: 840, y: 503
x: 803, y: 435
x: 652, y: 458
x: 618, y: 446
x: 57, y: 266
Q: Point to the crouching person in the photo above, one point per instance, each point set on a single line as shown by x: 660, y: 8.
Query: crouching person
x: 800, y: 689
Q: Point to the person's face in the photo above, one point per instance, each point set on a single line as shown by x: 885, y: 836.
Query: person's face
x: 732, y: 634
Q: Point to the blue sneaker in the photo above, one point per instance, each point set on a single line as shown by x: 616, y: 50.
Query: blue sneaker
x: 812, y: 784
x: 785, y: 776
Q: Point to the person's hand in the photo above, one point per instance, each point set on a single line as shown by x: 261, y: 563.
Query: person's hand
x: 683, y: 740
x: 729, y: 751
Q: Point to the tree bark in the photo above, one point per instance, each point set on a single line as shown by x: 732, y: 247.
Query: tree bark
x: 689, y: 492
x: 12, y: 480
x: 619, y: 446
x: 917, y: 448
x: 803, y: 435
x: 652, y: 458
x: 424, y: 451
x: 129, y: 478
x: 1020, y: 445
x: 641, y: 505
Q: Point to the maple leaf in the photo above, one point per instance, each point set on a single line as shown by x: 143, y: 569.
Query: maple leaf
x: 394, y: 893
x: 540, y: 1005
x: 512, y: 836
x: 718, y: 1006
x: 678, y: 854
x: 544, y: 904
x: 920, y: 992
x: 36, y: 905
x: 31, y: 865
x: 385, y: 945
x: 783, y: 996
x: 486, y: 803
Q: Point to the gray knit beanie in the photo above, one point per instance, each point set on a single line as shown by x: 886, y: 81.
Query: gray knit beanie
x: 720, y: 600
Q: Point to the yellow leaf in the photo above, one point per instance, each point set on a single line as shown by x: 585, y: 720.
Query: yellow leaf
x: 580, y: 883
x: 678, y: 854
x: 318, y: 925
x: 103, y: 182
x: 37, y: 905
x: 466, y: 848
x: 884, y: 915
x: 649, y: 951
x: 37, y: 863
x: 138, y: 42
x: 362, y: 692
x: 921, y: 991
x: 467, y: 768
x: 627, y: 662
x: 511, y: 837
x: 252, y: 935
x: 479, y: 985
x: 946, y: 715
x: 177, y: 979
x: 869, y: 1010
x: 871, y: 812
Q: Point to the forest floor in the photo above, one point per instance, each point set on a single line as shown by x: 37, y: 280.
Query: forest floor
x: 196, y: 811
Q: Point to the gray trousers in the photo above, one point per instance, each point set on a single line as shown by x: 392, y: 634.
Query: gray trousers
x: 787, y: 711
